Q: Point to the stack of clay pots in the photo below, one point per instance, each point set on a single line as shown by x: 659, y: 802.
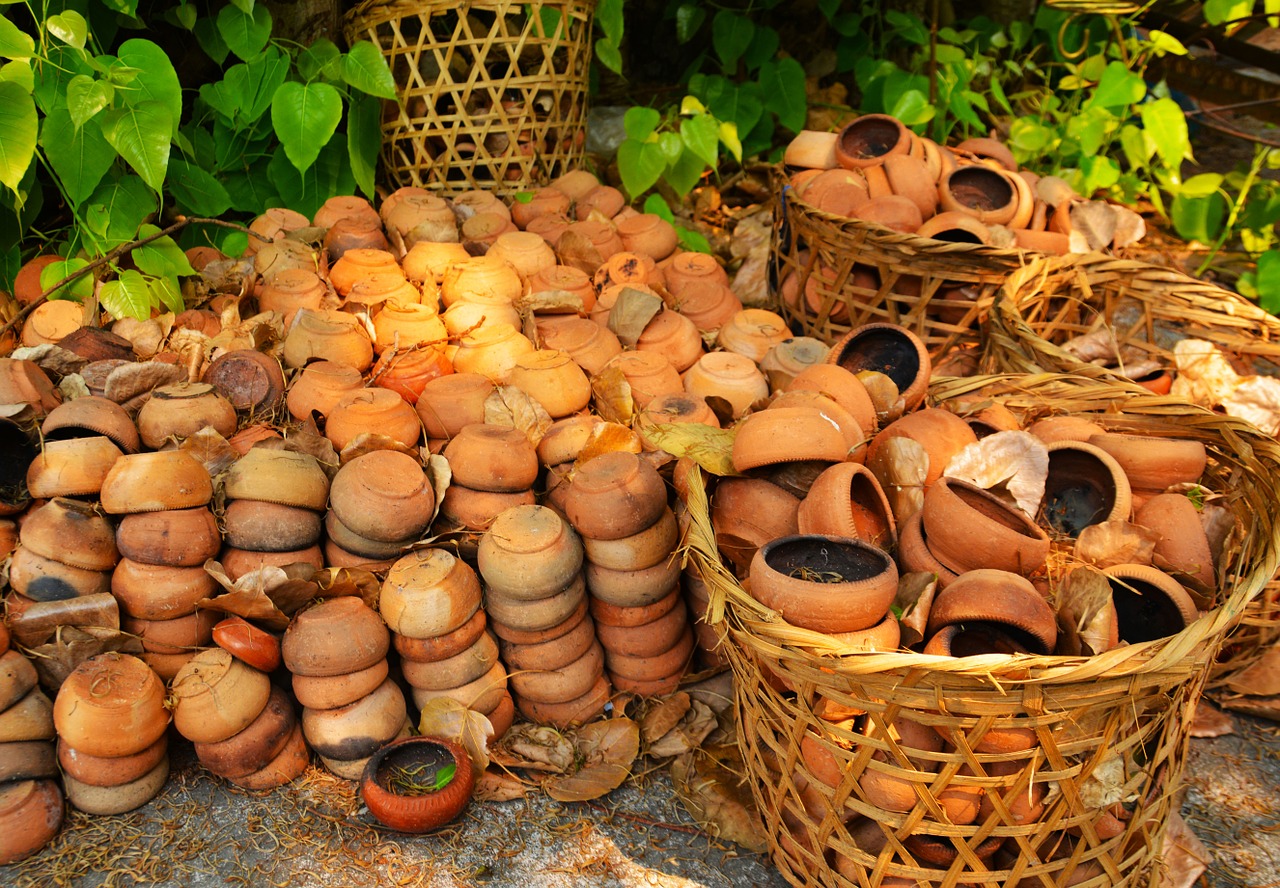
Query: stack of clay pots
x: 431, y: 600
x: 618, y: 504
x: 337, y: 653
x: 243, y: 727
x: 112, y: 726
x: 535, y: 592
x: 164, y: 538
x: 30, y: 800
x: 275, y: 504
x: 379, y: 503
x: 494, y: 468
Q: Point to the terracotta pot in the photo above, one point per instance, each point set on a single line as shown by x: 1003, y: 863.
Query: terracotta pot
x: 674, y: 336
x: 591, y: 345
x: 710, y: 305
x: 788, y: 434
x: 975, y: 638
x: 250, y: 380
x: 550, y: 227
x: 23, y: 382
x: 728, y: 375
x: 475, y: 510
x: 269, y: 527
x: 940, y: 851
x: 336, y: 556
x: 248, y: 437
x: 17, y: 678
x: 159, y: 591
x: 646, y: 640
x: 407, y: 324
x: 811, y: 149
x: 554, y: 652
x: 319, y: 386
x: 969, y: 528
x: 111, y: 705
x: 177, y: 538
x: 479, y: 232
x: 846, y: 500
x: 842, y: 386
x: 407, y: 373
x: 217, y: 696
x: 955, y: 227
x: 526, y: 252
x: 534, y: 616
x: 291, y: 290
x: 424, y: 812
x: 340, y: 535
x: 462, y: 668
x: 645, y: 549
x: 633, y: 588
x: 76, y: 467
x: 88, y: 416
x: 492, y: 279
x: 1183, y: 548
x: 96, y: 770
x: 246, y: 642
x: 566, y: 278
x: 483, y: 695
x: 752, y: 332
x: 72, y: 532
x: 1065, y: 428
x: 44, y: 579
x: 649, y: 374
x: 51, y: 322
x: 1154, y: 464
x: 571, y: 713
x: 900, y: 214
x: 649, y: 234
x: 449, y: 403
x: 544, y: 201
x: 1001, y: 598
x: 334, y: 691
x: 427, y: 261
x: 863, y: 581
x: 257, y: 745
x: 914, y: 554
x: 384, y: 495
x: 372, y: 411
x: 666, y: 669
x: 283, y: 477
x: 375, y: 291
x: 176, y: 636
x: 529, y: 552
x: 492, y: 351
x: 289, y: 765
x: 429, y: 650
x: 345, y: 206
x: 989, y: 148
x: 327, y: 335
x: 1085, y: 486
x: 109, y: 800
x: 354, y: 234
x: 688, y: 267
x: 941, y: 433
x: 569, y: 612
x: 358, y: 730
x: 358, y: 264
x: 672, y: 408
x: 429, y: 593
x: 31, y: 718
x: 615, y: 495
x: 567, y: 682
x: 868, y: 140
x: 789, y: 358
x: 335, y: 637
x: 492, y: 458
x: 554, y: 380
x: 151, y: 482
x: 889, y: 349
x: 1150, y: 604
x: 746, y: 513
x: 989, y: 196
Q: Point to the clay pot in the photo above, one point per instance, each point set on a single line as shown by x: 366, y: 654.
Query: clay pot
x: 651, y: 639
x: 1154, y: 464
x: 335, y: 637
x: 492, y: 351
x: 417, y: 813
x: 344, y: 537
x: 648, y: 234
x: 440, y: 647
x: 278, y: 476
x: 23, y: 382
x: 526, y: 252
x: 17, y: 678
x: 178, y: 538
x: 327, y: 335
x: 175, y: 636
x: 638, y: 551
x: 730, y: 376
x: 110, y: 800
x: 788, y: 434
x: 554, y: 380
x: 615, y: 495
x: 591, y: 345
x: 1150, y: 604
x: 899, y: 214
x: 44, y: 579
x: 674, y: 336
x: 257, y: 745
x: 334, y: 691
x: 1085, y: 486
x: 72, y: 532
x: 746, y: 513
x: 246, y: 642
x: 90, y: 416
x: 483, y: 695
x: 76, y: 467
x: 543, y: 201
x: 462, y: 668
x: 290, y: 764
x: 217, y: 696
x: 358, y: 264
x: 465, y: 508
x: 988, y: 195
x: 989, y: 148
x: 97, y: 770
x: 51, y: 322
x: 407, y: 324
x: 571, y: 713
x: 846, y: 500
x: 372, y: 411
x: 449, y: 403
x: 842, y: 386
x: 529, y: 552
x: 284, y: 253
x: 383, y: 288
x: 1065, y: 428
x: 427, y: 261
x: 492, y: 458
x: 673, y: 408
x: 633, y: 588
x: 811, y: 149
x: 914, y: 554
x: 151, y: 482
x: 429, y: 593
x: 407, y: 373
x: 955, y: 227
x: 567, y: 279
x: 30, y: 719
x: 969, y: 528
x: 269, y: 527
x: 889, y: 349
x: 941, y: 433
x: 384, y: 495
x: 786, y: 360
x: 851, y: 587
x: 111, y: 705
x: 565, y: 439
x: 358, y: 730
x: 319, y: 386
x: 30, y: 816
x: 479, y: 232
x: 710, y: 305
x: 752, y: 332
x: 867, y: 140
x: 572, y: 639
x: 522, y: 620
x: 997, y: 597
x: 1182, y: 549
x: 491, y: 279
x: 290, y: 291
x: 159, y: 591
x: 250, y: 380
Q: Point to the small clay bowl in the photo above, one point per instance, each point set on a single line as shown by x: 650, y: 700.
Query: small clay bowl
x: 748, y: 512
x: 554, y: 380
x: 335, y: 691
x: 334, y: 637
x: 842, y: 386
x: 572, y: 712
x: 462, y: 668
x: 159, y: 591
x: 553, y: 653
x: 111, y: 705
x: 969, y: 527
x: 217, y: 696
x: 340, y: 535
x: 914, y: 555
x: 27, y: 760
x: 787, y: 434
x: 31, y: 718
x: 482, y: 695
x: 529, y: 552
x: 75, y: 467
x: 44, y: 579
x: 1085, y: 486
x: 569, y: 619
x: 174, y: 537
x: 728, y: 375
x: 175, y: 636
x: 650, y: 546
x: 1065, y: 428
x: 429, y: 593
x: 1183, y: 547
x: 257, y: 745
x: 152, y: 482
x: 615, y: 495
x: 448, y: 403
x: 633, y: 588
x: 649, y: 374
x: 567, y: 682
x: 319, y: 386
x: 1001, y: 598
x: 252, y: 381
x: 621, y: 616
x: 646, y: 640
x: 96, y: 770
x: 89, y: 416
x: 535, y: 616
x: 179, y: 411
x: 286, y: 767
x: 846, y: 500
x: 109, y: 800
x: 327, y: 335
x: 1150, y: 604
x: 384, y: 495
x: 492, y: 458
x: 30, y: 816
x: 283, y: 477
x: 245, y: 641
x: 414, y: 810
x: 753, y: 332
x: 269, y: 527
x: 72, y: 532
x: 941, y: 433
x: 17, y: 678
x: 889, y: 349
x: 827, y: 584
x: 867, y: 140
x: 429, y: 650
x: 372, y: 411
x: 591, y: 345
x: 1154, y: 464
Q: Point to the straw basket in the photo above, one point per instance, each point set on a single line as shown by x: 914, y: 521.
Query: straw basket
x: 492, y: 93
x: 1148, y: 309
x: 1110, y: 731
x: 834, y: 274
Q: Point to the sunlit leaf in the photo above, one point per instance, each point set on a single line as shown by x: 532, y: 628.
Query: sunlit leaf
x: 142, y: 135
x: 18, y: 123
x: 364, y: 68
x: 305, y: 117
x: 128, y: 296
x: 80, y: 156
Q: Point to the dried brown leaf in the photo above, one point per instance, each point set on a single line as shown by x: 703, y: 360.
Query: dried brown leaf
x: 371, y: 442
x: 885, y: 396
x: 606, y: 437
x: 211, y: 449
x: 513, y: 408
x: 1210, y: 721
x: 53, y: 360
x: 499, y: 786
x: 1093, y: 221
x: 1085, y: 605
x: 1260, y: 678
x: 1116, y: 542
x: 1258, y: 707
x: 72, y: 645
x: 592, y: 782
x: 1184, y: 858
x: 631, y: 313
x: 73, y: 386
x: 553, y: 302
x: 612, y: 396
x: 577, y: 250
x: 614, y: 741
x: 901, y: 466
x: 1017, y: 460
x: 131, y: 380
x: 441, y: 476
x: 447, y: 719
x: 335, y: 582
x: 698, y: 723
x: 311, y: 443
x: 912, y: 603
x: 536, y: 747
x: 715, y: 795
x: 708, y: 446
x: 663, y: 715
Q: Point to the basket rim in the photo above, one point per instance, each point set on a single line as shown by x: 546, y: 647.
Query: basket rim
x: 729, y: 601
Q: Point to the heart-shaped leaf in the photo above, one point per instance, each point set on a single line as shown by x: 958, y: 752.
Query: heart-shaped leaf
x: 364, y: 68
x: 18, y: 123
x: 142, y: 135
x: 245, y: 33
x: 305, y: 116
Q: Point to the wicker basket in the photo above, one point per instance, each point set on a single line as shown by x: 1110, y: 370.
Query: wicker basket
x: 492, y: 93
x: 1149, y: 309
x: 1113, y: 727
x: 833, y: 274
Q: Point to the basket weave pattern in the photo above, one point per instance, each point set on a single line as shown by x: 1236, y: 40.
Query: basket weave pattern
x: 1108, y: 728
x: 913, y: 283
x: 492, y: 94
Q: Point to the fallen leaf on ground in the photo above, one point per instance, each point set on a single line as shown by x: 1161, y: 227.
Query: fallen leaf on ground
x: 72, y: 645
x: 499, y: 786
x: 536, y: 747
x: 128, y: 381
x: 1085, y: 598
x: 211, y: 450
x: 714, y: 793
x: 662, y: 715
x: 1259, y: 707
x: 698, y: 724
x: 614, y: 741
x: 708, y: 446
x: 1210, y: 721
x: 1260, y: 678
x: 631, y: 313
x: 447, y: 719
x: 1185, y: 856
x: 512, y: 408
x: 591, y: 782
x: 606, y: 437
x: 612, y: 396
x: 371, y: 442
x: 1017, y: 460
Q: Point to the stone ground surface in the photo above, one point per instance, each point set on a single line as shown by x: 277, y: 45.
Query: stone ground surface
x: 200, y: 833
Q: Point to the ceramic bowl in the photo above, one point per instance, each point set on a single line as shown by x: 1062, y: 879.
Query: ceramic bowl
x: 111, y: 705
x: 529, y: 552
x: 889, y: 349
x: 633, y: 588
x: 827, y: 584
x: 405, y: 807
x: 358, y: 730
x: 174, y: 537
x: 217, y: 696
x: 88, y: 416
x: 969, y: 528
x: 176, y: 636
x: 492, y: 458
x: 289, y: 765
x: 384, y: 495
x: 245, y: 641
x: 440, y: 647
x: 1085, y: 486
x: 847, y: 500
x: 44, y: 579
x: 574, y: 712
x: 638, y: 551
x: 555, y: 652
x: 788, y: 434
x: 462, y: 668
x: 372, y: 411
x: 75, y: 467
x: 327, y: 335
x: 483, y: 694
x: 1149, y: 603
x: 536, y: 616
x: 30, y: 816
x: 941, y: 433
x: 591, y: 345
x: 70, y: 531
x: 179, y: 411
x: 96, y: 770
x: 475, y: 510
x: 335, y: 637
x: 450, y: 402
x: 334, y: 691
x: 283, y: 477
x: 319, y: 386
x: 1003, y: 599
x: 554, y: 380
x: 151, y: 482
x: 269, y: 527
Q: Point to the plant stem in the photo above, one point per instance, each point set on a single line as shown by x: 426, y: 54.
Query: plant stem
x: 1259, y: 157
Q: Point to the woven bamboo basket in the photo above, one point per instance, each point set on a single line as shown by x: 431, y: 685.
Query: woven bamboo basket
x: 833, y: 274
x: 1112, y: 728
x: 1148, y: 309
x: 493, y: 94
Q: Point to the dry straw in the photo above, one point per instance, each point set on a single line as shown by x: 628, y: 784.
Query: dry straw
x: 917, y: 280
x: 1148, y: 309
x: 492, y: 94
x: 1111, y: 728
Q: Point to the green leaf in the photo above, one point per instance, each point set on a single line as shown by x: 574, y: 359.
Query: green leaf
x: 127, y: 8
x: 305, y: 191
x: 1137, y: 144
x: 549, y: 22
x: 142, y: 135
x: 1118, y: 88
x: 1218, y: 11
x: 1100, y: 172
x: 70, y: 27
x: 19, y: 72
x: 764, y: 46
x: 1201, y: 186
x: 364, y: 140
x: 913, y: 108
x: 609, y: 20
x: 245, y: 33
x: 907, y: 27
x: 692, y: 240
x: 116, y: 210
x: 640, y: 165
x: 79, y: 289
x: 364, y: 68
x: 731, y: 34
x: 1166, y: 123
x: 15, y: 44
x: 782, y: 84
x: 685, y: 173
x: 671, y: 145
x: 1164, y: 43
x: 186, y: 15
x: 86, y: 97
x: 728, y: 133
x: 700, y: 134
x: 689, y: 18
x: 127, y: 297
x: 657, y: 204
x: 196, y: 190
x: 305, y: 117
x: 18, y: 123
x: 320, y: 59
x: 1029, y: 136
x: 210, y: 39
x: 157, y: 81
x: 1266, y: 280
x: 640, y: 121
x: 162, y: 257
x: 609, y: 55
x: 1088, y: 130
x: 252, y: 190
x: 1198, y: 218
x: 80, y: 155
x: 245, y: 6
x: 737, y: 104
x: 165, y: 290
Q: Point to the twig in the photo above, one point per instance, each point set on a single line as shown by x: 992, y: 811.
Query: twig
x: 116, y: 253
